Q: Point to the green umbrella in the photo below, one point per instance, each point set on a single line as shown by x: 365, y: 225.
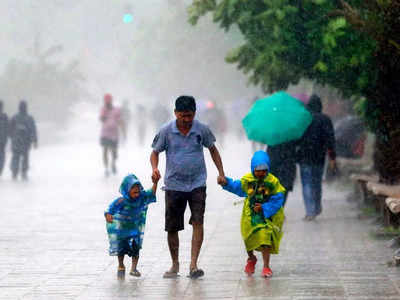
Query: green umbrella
x: 276, y: 119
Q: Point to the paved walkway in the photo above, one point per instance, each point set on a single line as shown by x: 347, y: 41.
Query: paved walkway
x: 53, y: 243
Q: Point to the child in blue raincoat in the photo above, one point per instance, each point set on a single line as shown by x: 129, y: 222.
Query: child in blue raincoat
x: 126, y: 219
x: 262, y: 214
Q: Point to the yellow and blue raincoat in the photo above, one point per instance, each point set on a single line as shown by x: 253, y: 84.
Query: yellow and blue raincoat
x: 263, y: 228
x: 126, y: 231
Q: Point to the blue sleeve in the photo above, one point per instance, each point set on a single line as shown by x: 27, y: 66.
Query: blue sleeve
x: 114, y: 206
x: 235, y: 187
x: 150, y: 197
x: 160, y: 141
x: 208, y: 137
x: 273, y: 205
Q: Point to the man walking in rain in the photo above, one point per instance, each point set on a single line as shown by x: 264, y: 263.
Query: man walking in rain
x: 183, y: 140
x: 318, y: 140
x: 23, y: 134
x: 3, y: 136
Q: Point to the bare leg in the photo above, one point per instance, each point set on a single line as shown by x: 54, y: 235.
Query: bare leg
x: 197, y: 241
x: 266, y: 255
x: 135, y: 261
x: 105, y: 157
x: 173, y: 245
x: 251, y: 255
x: 121, y: 266
x: 114, y: 159
x: 134, y: 271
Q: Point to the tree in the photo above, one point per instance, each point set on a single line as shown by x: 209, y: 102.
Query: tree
x: 353, y: 46
x: 49, y: 87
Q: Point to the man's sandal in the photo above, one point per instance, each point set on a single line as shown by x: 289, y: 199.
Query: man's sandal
x: 171, y: 274
x: 195, y: 273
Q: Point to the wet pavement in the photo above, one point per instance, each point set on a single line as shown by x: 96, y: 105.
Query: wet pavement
x: 53, y: 243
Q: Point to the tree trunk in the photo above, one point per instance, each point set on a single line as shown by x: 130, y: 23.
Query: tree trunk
x: 386, y: 99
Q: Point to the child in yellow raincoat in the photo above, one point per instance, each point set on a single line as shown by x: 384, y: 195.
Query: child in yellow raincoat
x: 262, y: 214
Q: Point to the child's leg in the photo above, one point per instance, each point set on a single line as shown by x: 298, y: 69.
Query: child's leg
x: 251, y: 255
x: 135, y: 261
x: 121, y: 265
x: 266, y: 256
x: 251, y: 263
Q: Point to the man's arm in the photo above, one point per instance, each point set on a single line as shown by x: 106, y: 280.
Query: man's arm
x: 34, y: 134
x: 155, y: 176
x: 218, y: 163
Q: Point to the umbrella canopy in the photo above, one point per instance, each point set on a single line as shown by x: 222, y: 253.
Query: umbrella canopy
x: 276, y: 119
x: 350, y: 135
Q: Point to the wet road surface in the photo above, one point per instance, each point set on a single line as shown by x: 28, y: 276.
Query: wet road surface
x: 53, y: 243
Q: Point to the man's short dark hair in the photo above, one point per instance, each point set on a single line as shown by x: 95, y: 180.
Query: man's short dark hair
x: 185, y: 103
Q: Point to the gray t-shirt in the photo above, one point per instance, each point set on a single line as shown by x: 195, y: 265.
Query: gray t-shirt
x: 185, y: 166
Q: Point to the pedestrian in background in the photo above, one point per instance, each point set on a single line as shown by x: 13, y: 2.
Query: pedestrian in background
x: 262, y: 214
x: 23, y: 135
x: 283, y: 164
x: 3, y: 136
x: 183, y: 140
x: 112, y: 123
x: 126, y: 220
x: 317, y: 141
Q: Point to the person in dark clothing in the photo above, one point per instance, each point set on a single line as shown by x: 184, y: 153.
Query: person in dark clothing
x: 283, y: 164
x: 318, y: 140
x: 23, y: 134
x: 3, y: 136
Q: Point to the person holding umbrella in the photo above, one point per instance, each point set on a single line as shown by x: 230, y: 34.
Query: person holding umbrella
x: 279, y: 121
x: 318, y: 140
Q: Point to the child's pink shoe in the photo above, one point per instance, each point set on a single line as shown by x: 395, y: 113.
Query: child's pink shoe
x: 250, y: 266
x: 266, y: 272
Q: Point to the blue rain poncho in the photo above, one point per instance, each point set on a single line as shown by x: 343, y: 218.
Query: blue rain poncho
x: 125, y: 233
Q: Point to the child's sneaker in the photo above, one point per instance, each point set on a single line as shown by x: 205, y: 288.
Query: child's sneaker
x: 250, y: 266
x: 266, y: 272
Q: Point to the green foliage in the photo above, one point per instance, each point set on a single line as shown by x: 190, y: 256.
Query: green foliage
x: 286, y: 41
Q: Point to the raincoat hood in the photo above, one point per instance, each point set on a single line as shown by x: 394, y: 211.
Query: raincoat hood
x: 126, y: 185
x: 260, y: 159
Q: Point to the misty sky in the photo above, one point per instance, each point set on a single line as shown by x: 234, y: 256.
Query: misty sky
x: 158, y: 55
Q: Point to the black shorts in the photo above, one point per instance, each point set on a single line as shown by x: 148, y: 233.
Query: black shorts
x: 175, y: 206
x: 105, y: 142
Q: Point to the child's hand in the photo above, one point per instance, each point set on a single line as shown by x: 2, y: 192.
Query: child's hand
x: 257, y: 207
x: 155, y: 179
x: 109, y: 218
x: 155, y: 176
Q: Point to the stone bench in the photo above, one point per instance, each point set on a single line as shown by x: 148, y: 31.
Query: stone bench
x: 361, y: 190
x: 387, y: 201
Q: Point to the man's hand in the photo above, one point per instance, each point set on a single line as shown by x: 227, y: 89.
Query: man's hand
x: 109, y: 218
x: 155, y: 176
x: 332, y: 165
x: 221, y: 180
x: 257, y: 207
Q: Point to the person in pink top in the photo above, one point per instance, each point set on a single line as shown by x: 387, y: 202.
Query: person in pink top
x: 112, y: 123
